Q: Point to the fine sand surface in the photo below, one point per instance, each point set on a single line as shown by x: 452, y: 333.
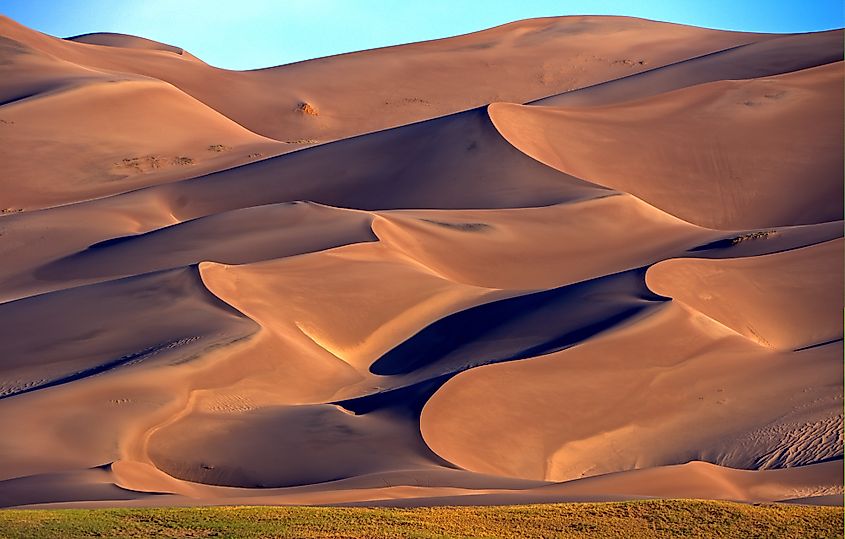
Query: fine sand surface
x: 564, y: 259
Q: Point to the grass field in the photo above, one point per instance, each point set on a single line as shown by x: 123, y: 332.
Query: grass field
x: 639, y: 519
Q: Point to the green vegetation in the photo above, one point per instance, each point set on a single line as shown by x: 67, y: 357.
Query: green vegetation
x: 639, y: 519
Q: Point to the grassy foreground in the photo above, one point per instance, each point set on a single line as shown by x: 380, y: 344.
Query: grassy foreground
x: 639, y: 519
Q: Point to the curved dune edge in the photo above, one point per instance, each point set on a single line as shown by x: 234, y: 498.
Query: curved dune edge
x: 577, y: 430
x: 592, y: 237
x: 688, y: 163
x: 460, y: 161
x: 119, y: 247
x: 786, y: 301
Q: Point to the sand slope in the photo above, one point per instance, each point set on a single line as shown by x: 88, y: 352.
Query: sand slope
x: 117, y: 135
x: 777, y: 56
x: 728, y: 154
x: 577, y: 258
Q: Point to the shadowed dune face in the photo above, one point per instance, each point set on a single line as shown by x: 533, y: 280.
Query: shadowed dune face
x: 236, y: 237
x: 458, y: 161
x: 518, y: 328
x: 383, y: 277
x: 85, y: 331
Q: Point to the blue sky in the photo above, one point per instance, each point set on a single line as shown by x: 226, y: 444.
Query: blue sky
x: 247, y: 34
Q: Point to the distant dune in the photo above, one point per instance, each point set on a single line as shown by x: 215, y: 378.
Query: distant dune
x: 563, y: 259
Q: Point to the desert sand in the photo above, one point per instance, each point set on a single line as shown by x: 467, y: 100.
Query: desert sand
x: 564, y: 259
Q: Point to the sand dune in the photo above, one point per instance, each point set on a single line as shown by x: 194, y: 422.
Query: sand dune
x: 86, y: 314
x: 371, y: 90
x: 477, y: 247
x: 783, y: 54
x: 120, y: 135
x: 576, y: 258
x: 727, y: 154
x: 591, y: 409
x: 760, y: 297
x: 237, y: 237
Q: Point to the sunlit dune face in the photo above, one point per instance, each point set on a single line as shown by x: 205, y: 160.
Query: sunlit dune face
x: 576, y: 258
